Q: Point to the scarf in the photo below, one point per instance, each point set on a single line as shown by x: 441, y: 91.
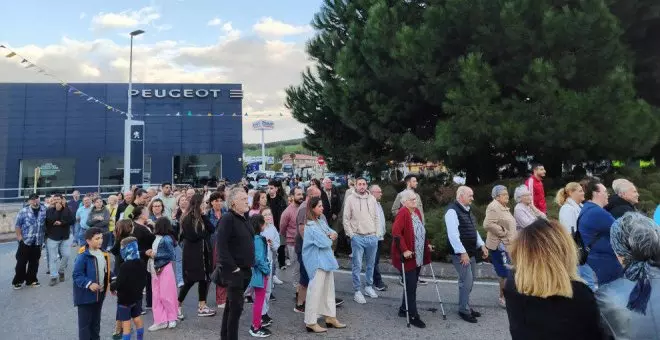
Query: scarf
x: 130, y: 251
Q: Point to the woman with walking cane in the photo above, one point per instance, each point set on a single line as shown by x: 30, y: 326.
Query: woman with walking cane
x: 409, y: 242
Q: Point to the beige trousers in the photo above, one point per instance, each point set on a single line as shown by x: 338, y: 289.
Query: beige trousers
x: 320, y: 297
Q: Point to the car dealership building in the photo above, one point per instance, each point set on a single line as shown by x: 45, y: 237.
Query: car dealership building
x: 192, y: 134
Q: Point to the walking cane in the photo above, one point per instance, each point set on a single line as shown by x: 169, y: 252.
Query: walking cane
x: 442, y: 308
x: 403, y: 274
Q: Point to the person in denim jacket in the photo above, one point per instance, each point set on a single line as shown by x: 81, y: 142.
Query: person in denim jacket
x: 631, y: 305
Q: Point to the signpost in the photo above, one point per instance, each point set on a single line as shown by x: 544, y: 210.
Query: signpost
x: 263, y: 125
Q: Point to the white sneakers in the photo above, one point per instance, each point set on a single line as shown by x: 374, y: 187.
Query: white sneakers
x: 369, y: 291
x: 359, y: 298
x: 180, y: 314
x: 277, y: 281
x: 222, y: 306
x: 171, y: 324
x: 158, y: 326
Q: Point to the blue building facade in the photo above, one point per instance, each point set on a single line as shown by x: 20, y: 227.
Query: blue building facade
x: 193, y: 134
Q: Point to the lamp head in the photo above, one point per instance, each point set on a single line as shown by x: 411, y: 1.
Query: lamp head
x: 136, y: 33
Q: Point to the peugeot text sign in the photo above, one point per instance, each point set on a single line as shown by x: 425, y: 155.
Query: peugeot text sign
x: 176, y: 93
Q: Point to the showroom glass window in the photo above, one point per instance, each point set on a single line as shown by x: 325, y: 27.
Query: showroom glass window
x: 198, y: 170
x: 55, y: 175
x: 111, y: 174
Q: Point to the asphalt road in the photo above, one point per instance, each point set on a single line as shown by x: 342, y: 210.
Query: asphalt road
x: 48, y: 312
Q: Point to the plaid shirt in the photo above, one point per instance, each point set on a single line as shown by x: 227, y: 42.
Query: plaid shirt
x: 32, y: 227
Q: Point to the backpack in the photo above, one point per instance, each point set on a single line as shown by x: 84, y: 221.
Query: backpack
x: 583, y: 251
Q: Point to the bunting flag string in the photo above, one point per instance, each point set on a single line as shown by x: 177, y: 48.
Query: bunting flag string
x: 27, y: 64
x: 30, y: 65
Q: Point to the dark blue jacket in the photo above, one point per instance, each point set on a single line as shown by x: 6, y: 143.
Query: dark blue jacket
x: 85, y: 272
x: 593, y: 221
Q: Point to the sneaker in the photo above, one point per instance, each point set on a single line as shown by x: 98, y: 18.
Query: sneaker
x: 359, y: 298
x: 205, y: 311
x: 422, y: 282
x: 249, y: 300
x: 475, y: 313
x: 370, y: 292
x: 338, y: 302
x: 179, y: 314
x: 61, y: 277
x: 158, y: 326
x: 417, y: 322
x: 179, y: 285
x: 53, y: 281
x: 171, y: 324
x: 260, y: 333
x: 266, y: 320
x: 35, y: 284
x: 381, y: 287
x: 277, y: 281
x: 143, y: 312
x: 222, y: 306
x: 299, y: 309
x: 272, y: 297
x: 18, y: 286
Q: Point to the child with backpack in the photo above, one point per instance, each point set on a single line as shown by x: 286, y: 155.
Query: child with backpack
x: 128, y: 286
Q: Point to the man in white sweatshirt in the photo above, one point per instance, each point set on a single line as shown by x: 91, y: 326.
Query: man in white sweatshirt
x: 361, y: 223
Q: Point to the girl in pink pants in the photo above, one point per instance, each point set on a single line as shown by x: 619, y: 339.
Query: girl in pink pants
x: 163, y: 281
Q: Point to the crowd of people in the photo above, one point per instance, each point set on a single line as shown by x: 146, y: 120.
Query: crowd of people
x: 594, y: 271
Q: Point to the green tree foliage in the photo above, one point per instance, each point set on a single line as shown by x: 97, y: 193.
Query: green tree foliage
x: 476, y: 83
x: 279, y: 152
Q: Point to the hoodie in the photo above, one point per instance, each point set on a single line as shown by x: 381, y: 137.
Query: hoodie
x: 360, y: 215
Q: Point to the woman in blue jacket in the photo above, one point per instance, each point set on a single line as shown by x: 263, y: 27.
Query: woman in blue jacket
x: 319, y: 263
x: 260, y: 273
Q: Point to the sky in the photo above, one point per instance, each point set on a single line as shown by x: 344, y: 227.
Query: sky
x: 258, y: 43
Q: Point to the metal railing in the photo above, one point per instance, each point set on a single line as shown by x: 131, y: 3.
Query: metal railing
x: 17, y: 195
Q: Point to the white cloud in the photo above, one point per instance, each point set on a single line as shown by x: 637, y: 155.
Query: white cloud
x: 125, y: 19
x: 83, y: 15
x: 264, y: 67
x: 214, y: 22
x: 268, y: 27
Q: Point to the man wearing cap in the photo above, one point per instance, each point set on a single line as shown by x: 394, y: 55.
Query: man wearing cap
x: 30, y: 235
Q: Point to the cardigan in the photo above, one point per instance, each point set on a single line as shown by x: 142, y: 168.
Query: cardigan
x: 403, y: 228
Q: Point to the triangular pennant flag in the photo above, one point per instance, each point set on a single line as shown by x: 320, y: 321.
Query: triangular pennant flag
x: 63, y: 84
x: 147, y: 114
x: 2, y: 46
x: 209, y: 114
x: 246, y: 114
x: 70, y: 89
x: 281, y: 115
x: 11, y: 54
x: 24, y: 61
x: 233, y: 114
x: 77, y: 92
x: 222, y: 114
x: 29, y: 66
x: 167, y: 115
x: 109, y: 107
x: 178, y: 114
x: 189, y: 113
x: 90, y: 99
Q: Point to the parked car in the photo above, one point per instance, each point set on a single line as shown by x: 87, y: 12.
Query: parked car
x: 262, y: 183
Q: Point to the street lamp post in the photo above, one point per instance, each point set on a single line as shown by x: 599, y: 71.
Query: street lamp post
x: 129, y: 118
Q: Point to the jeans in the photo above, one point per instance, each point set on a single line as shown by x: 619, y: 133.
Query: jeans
x: 178, y: 263
x: 26, y: 256
x: 293, y: 258
x: 234, y: 308
x: 63, y: 248
x: 108, y: 241
x: 89, y: 321
x: 367, y: 246
x: 465, y: 282
x: 80, y: 236
x: 378, y: 279
x: 411, y: 291
x: 589, y: 276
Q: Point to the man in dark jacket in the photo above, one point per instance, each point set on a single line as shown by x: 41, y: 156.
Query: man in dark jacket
x: 58, y: 224
x: 626, y: 196
x: 330, y: 199
x: 235, y: 247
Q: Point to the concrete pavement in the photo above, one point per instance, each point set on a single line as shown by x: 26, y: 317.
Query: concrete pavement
x: 48, y: 312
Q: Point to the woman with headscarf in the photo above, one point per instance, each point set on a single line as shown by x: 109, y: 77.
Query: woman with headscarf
x: 631, y: 305
x: 409, y: 239
x: 501, y: 228
x: 525, y: 212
